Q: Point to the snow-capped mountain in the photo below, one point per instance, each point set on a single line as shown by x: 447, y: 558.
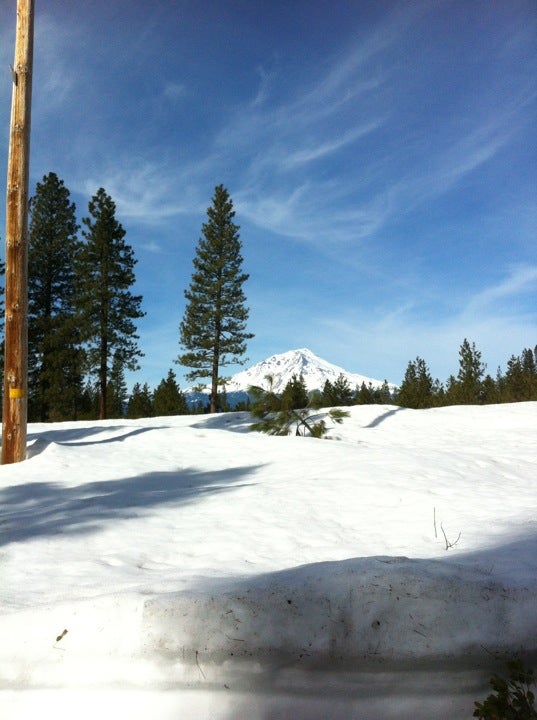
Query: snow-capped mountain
x: 283, y: 366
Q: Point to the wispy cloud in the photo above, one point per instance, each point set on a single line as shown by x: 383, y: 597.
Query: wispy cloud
x: 334, y: 117
x: 319, y: 151
x: 142, y: 190
x: 520, y: 280
x: 56, y: 79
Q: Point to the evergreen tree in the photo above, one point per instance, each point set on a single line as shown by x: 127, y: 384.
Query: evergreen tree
x: 295, y: 394
x: 467, y: 388
x: 89, y: 402
x: 168, y: 398
x: 327, y: 395
x: 264, y: 401
x: 364, y: 396
x: 213, y: 329
x: 490, y: 391
x: 382, y: 395
x: 107, y: 308
x: 140, y: 402
x: 520, y: 381
x: 279, y: 415
x: 338, y: 393
x: 500, y: 385
x: 55, y: 356
x: 529, y: 370
x: 117, y: 394
x: 514, y: 380
x: 418, y: 388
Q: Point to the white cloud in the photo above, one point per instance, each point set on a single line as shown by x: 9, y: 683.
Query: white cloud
x: 173, y: 90
x: 520, y: 280
x: 317, y: 151
x: 146, y: 191
x: 56, y: 77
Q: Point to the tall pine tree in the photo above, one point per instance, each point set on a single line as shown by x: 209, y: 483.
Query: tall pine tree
x: 213, y: 329
x: 55, y: 356
x: 467, y: 387
x: 107, y: 308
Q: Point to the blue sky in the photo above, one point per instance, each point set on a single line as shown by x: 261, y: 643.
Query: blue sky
x: 381, y: 157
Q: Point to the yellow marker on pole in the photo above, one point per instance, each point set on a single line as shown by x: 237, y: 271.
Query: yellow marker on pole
x: 16, y: 393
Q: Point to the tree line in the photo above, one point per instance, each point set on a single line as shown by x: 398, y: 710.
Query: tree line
x: 471, y: 386
x: 82, y: 312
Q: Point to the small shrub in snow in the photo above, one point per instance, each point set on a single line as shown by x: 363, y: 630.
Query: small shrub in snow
x: 302, y: 422
x: 512, y: 699
x: 280, y: 415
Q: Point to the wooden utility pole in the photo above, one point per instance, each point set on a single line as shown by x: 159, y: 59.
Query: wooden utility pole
x: 15, y: 405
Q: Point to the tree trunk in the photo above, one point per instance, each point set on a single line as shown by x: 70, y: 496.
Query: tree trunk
x: 103, y: 385
x: 214, y: 388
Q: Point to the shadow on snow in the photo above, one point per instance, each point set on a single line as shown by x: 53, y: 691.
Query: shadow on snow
x: 381, y: 418
x: 38, y: 509
x: 377, y: 637
x: 78, y: 437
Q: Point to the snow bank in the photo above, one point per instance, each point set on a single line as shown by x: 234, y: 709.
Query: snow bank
x: 354, y: 612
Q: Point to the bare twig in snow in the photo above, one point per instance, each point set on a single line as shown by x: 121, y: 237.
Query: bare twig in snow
x: 448, y: 543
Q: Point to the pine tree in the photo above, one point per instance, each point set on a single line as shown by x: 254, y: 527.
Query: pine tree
x: 490, y: 391
x: 213, y: 329
x: 365, y: 395
x: 382, y: 394
x: 168, y: 398
x: 55, y: 356
x: 327, y: 395
x: 520, y: 381
x: 117, y: 394
x: 295, y: 394
x: 107, y: 308
x: 529, y: 370
x: 89, y: 402
x: 343, y: 393
x: 467, y: 388
x: 338, y: 393
x: 418, y: 388
x: 140, y: 402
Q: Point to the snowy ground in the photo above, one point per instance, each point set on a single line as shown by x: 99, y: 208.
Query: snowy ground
x: 186, y: 568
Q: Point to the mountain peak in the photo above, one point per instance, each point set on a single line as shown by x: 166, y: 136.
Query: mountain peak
x: 301, y: 361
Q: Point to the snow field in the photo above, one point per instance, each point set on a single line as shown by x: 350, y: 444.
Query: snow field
x: 205, y: 571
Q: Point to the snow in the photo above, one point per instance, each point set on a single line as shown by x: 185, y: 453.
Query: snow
x: 203, y: 571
